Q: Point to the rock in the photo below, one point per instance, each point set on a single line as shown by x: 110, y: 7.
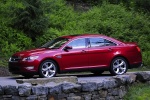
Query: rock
x: 110, y: 84
x: 103, y: 93
x: 62, y: 96
x: 55, y: 90
x: 15, y: 98
x: 1, y: 90
x: 25, y: 84
x: 122, y: 91
x: 44, y: 81
x: 43, y: 97
x: 87, y: 96
x: 100, y: 85
x: 32, y: 97
x: 115, y: 92
x: 110, y: 98
x: 24, y: 90
x: 10, y: 90
x: 7, y: 96
x: 125, y: 79
x: 95, y: 97
x: 143, y: 76
x: 39, y: 90
x: 74, y: 98
x: 89, y: 86
x: 70, y: 87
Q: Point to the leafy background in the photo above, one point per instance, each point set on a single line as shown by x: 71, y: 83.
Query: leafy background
x: 26, y: 24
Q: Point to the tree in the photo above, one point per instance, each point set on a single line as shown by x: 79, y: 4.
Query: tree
x: 30, y: 18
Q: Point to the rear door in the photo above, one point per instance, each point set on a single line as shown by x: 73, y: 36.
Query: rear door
x: 100, y: 52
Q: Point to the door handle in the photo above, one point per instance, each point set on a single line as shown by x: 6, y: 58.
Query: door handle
x: 110, y: 49
x: 83, y: 51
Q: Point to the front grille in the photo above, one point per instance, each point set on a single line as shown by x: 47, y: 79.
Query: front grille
x: 12, y: 68
x: 15, y: 59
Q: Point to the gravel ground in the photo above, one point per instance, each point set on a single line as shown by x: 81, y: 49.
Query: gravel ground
x: 4, y: 72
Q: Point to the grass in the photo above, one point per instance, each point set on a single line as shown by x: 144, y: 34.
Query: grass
x: 4, y: 62
x: 138, y: 92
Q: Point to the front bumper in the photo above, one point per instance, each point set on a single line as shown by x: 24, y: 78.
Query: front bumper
x: 22, y: 67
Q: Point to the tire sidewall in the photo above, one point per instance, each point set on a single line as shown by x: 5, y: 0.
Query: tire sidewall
x: 40, y: 68
x: 111, y: 68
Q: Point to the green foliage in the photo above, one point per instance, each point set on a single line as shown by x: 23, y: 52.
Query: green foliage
x: 12, y: 41
x: 44, y: 20
x: 142, y: 5
x: 138, y: 92
x: 30, y: 18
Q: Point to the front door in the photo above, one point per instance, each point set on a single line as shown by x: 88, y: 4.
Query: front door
x: 75, y: 58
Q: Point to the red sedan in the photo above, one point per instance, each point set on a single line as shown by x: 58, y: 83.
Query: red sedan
x: 88, y: 52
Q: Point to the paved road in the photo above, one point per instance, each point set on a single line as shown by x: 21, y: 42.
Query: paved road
x: 81, y: 78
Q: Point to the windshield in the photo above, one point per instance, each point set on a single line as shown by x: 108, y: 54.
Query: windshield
x: 55, y: 44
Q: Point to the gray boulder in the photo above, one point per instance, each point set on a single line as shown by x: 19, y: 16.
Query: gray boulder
x: 143, y: 76
x: 70, y: 87
x: 1, y: 90
x: 10, y: 90
x: 24, y: 90
x: 89, y: 86
x: 39, y: 90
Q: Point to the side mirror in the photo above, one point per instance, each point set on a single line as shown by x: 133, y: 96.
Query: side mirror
x: 67, y: 48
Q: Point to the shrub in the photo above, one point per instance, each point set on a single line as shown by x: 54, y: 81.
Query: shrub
x: 12, y: 41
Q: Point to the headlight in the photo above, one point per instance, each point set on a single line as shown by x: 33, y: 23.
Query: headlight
x: 10, y: 59
x: 30, y: 58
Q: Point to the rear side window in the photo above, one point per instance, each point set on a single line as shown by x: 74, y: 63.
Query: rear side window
x: 109, y: 43
x: 98, y: 42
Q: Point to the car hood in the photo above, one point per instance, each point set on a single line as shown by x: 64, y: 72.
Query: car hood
x: 33, y: 52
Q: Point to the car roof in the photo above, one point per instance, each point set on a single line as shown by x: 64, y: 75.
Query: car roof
x: 81, y: 35
x: 92, y: 35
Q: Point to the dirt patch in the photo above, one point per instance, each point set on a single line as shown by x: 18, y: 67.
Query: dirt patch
x: 4, y: 72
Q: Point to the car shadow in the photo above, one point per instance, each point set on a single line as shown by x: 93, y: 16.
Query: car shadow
x: 65, y: 75
x: 84, y: 75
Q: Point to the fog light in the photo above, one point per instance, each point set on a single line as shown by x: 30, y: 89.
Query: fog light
x: 30, y: 67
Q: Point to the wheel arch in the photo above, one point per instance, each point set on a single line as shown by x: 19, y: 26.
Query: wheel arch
x: 121, y: 57
x: 58, y: 67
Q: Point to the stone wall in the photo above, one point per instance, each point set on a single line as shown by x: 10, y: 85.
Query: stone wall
x: 110, y: 89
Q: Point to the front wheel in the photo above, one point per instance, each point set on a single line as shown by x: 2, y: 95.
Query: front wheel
x: 48, y: 69
x: 119, y: 66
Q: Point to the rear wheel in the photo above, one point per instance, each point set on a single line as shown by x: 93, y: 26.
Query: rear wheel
x: 119, y: 66
x: 47, y: 69
x: 97, y: 72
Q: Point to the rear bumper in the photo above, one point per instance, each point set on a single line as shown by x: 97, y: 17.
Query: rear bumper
x: 137, y: 65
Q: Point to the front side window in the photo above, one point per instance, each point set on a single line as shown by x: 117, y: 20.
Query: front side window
x: 55, y: 44
x: 78, y: 43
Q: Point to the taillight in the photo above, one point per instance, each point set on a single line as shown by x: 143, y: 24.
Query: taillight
x: 138, y: 49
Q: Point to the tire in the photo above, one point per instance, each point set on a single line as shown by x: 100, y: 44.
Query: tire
x: 97, y: 72
x: 119, y: 66
x: 27, y: 75
x: 47, y: 69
